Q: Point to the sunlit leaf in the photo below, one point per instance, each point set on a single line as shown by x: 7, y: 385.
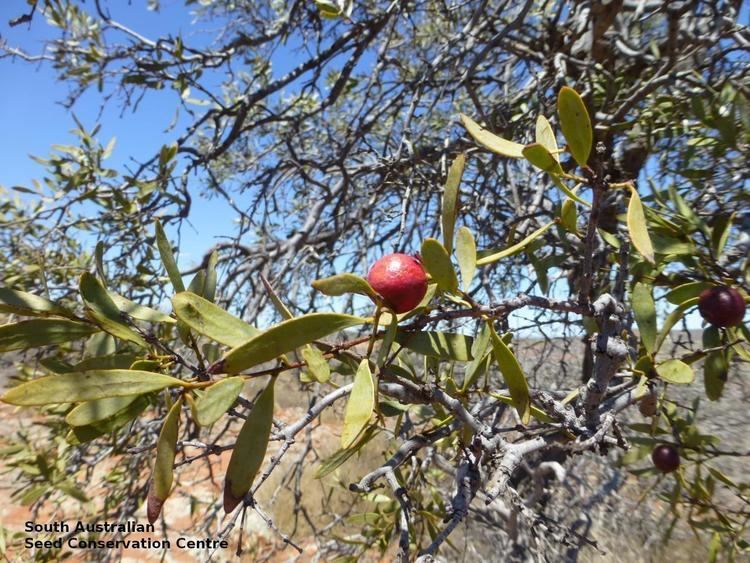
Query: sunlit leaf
x: 672, y: 319
x: 212, y: 321
x: 539, y: 156
x: 545, y: 136
x: 341, y: 284
x: 512, y: 374
x: 451, y: 201
x: 636, y: 221
x: 675, y: 371
x: 491, y: 141
x: 42, y: 332
x: 104, y: 311
x: 438, y: 263
x: 360, y: 406
x: 167, y: 258
x: 317, y: 365
x: 99, y: 409
x: 137, y: 311
x: 29, y: 305
x: 216, y: 400
x: 161, y: 476
x: 466, y: 254
x: 644, y: 309
x: 575, y: 124
x: 490, y: 256
x: 444, y: 345
x: 686, y: 291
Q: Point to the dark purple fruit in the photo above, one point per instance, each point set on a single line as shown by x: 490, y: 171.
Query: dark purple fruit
x: 722, y: 306
x: 666, y: 458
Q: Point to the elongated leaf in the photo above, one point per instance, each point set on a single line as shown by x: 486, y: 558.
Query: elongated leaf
x: 539, y: 156
x: 569, y: 216
x: 198, y: 283
x: 317, y: 365
x: 99, y: 260
x: 575, y: 124
x: 110, y: 361
x: 672, y: 319
x: 87, y: 386
x: 636, y: 220
x: 721, y: 227
x: 686, y: 291
x: 491, y: 141
x: 341, y: 284
x: 104, y: 311
x: 360, y: 405
x: 466, y: 253
x: 80, y: 434
x: 438, y: 263
x: 480, y: 357
x: 675, y: 371
x: 161, y: 476
x: 27, y: 304
x: 217, y: 399
x: 387, y: 342
x: 571, y: 193
x: 644, y: 310
x: 167, y: 258
x: 513, y: 375
x: 42, y: 332
x: 140, y: 312
x: 545, y: 136
x: 282, y: 338
x: 209, y: 288
x: 342, y: 456
x: 100, y: 344
x: 282, y: 309
x: 451, y: 200
x: 211, y: 320
x: 250, y: 449
x: 94, y: 411
x: 536, y: 412
x: 489, y: 256
x: 444, y: 345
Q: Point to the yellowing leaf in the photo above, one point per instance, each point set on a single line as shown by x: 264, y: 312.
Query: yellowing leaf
x: 513, y: 375
x: 161, y: 476
x: 675, y: 371
x: 644, y: 309
x: 42, y: 332
x: 211, y: 320
x: 488, y: 257
x: 341, y: 284
x: 539, y: 156
x: 167, y: 258
x: 249, y: 449
x: 216, y: 400
x: 317, y: 365
x: 451, y: 200
x: 282, y: 338
x: 466, y: 253
x: 81, y: 386
x: 438, y: 263
x: 360, y: 405
x: 636, y: 220
x: 491, y: 141
x: 575, y: 124
x: 569, y: 216
x: 545, y: 136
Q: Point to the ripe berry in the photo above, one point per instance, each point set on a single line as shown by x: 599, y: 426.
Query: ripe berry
x: 722, y: 306
x: 400, y: 280
x: 665, y: 458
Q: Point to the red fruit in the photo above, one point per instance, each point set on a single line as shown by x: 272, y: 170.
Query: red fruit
x: 400, y: 280
x: 722, y: 306
x: 666, y: 458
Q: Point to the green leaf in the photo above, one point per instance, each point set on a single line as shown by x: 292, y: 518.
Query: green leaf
x: 317, y: 365
x: 42, y: 332
x: 491, y: 141
x: 110, y: 361
x: 167, y: 258
x: 513, y: 375
x: 387, y: 342
x: 197, y: 283
x: 687, y: 291
x: 282, y: 338
x: 489, y: 256
x: 342, y: 456
x: 481, y: 359
x: 100, y: 344
x: 644, y: 310
x: 249, y: 449
x: 575, y: 124
x: 360, y: 405
x: 545, y: 136
x: 721, y: 227
x: 282, y: 309
x: 672, y: 319
x: 211, y: 320
x: 443, y: 345
x: 137, y: 311
x: 94, y: 411
x: 87, y: 386
x: 209, y: 288
x: 715, y: 370
x: 675, y: 371
x: 341, y: 284
x: 104, y: 311
x: 161, y: 476
x: 80, y: 434
x: 27, y: 304
x: 438, y: 263
x: 466, y: 253
x: 99, y: 260
x: 569, y: 216
x: 217, y: 399
x: 536, y: 412
x: 636, y: 220
x: 539, y: 156
x: 451, y: 200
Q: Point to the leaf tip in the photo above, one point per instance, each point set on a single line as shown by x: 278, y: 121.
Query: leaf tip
x: 153, y: 507
x: 230, y: 501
